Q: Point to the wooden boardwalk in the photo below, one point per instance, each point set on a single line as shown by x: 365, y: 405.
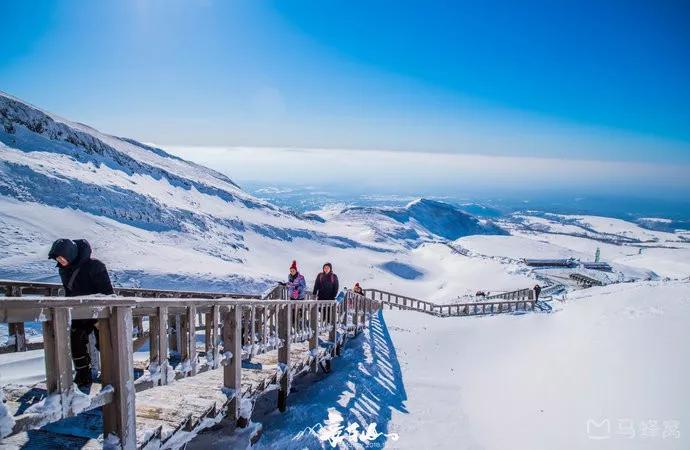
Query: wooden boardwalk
x: 185, y: 406
x: 251, y: 346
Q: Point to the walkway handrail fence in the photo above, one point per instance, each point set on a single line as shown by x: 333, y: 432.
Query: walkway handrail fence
x: 241, y: 325
x: 521, y: 300
x: 585, y: 280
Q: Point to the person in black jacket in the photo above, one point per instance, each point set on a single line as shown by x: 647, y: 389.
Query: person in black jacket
x: 81, y: 275
x: 537, y: 291
x: 326, y: 285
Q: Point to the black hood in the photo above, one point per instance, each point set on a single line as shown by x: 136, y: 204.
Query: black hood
x: 83, y: 253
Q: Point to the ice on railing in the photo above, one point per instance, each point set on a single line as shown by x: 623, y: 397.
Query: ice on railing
x: 153, y: 373
x: 246, y: 408
x: 6, y: 420
x: 49, y: 409
x: 168, y: 371
x: 112, y: 442
x: 226, y: 358
x: 185, y: 366
x: 229, y: 393
x: 281, y: 370
x: 80, y: 401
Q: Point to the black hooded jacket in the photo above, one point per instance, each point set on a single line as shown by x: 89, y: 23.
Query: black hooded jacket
x: 326, y: 286
x: 86, y: 276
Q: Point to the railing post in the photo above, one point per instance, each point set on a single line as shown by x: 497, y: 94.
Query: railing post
x: 232, y: 373
x: 264, y: 327
x: 58, y: 356
x: 208, y: 341
x: 355, y: 318
x: 252, y: 334
x: 332, y: 334
x: 159, y: 341
x: 191, y: 339
x: 117, y: 369
x: 16, y: 329
x: 139, y: 324
x: 215, y: 322
x: 183, y: 342
x: 346, y: 307
x: 284, y: 321
x: 314, y: 339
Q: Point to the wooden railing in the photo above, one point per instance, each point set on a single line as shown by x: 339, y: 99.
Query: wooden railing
x: 235, y: 328
x: 17, y: 331
x: 520, y: 295
x: 585, y: 280
x: 522, y: 300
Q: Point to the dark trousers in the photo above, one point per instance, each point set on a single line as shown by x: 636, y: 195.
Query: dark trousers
x: 79, y: 341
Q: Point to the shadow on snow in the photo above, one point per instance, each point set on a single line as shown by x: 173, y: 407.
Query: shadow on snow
x: 364, y: 387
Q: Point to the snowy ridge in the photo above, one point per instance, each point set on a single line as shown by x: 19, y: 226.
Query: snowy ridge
x: 161, y: 222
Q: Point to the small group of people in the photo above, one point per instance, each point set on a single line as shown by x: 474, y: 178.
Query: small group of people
x: 326, y: 285
x: 83, y: 275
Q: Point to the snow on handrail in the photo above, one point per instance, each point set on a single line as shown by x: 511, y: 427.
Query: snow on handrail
x: 249, y: 326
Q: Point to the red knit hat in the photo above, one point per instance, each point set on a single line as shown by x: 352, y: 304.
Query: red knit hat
x: 356, y: 284
x: 294, y: 265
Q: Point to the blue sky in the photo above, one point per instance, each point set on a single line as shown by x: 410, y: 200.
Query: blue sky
x: 604, y: 80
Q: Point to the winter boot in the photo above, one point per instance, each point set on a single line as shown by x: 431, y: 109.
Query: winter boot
x: 82, y: 378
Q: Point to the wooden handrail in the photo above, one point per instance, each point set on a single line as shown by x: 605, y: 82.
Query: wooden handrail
x: 249, y: 326
x: 125, y: 291
x: 524, y: 303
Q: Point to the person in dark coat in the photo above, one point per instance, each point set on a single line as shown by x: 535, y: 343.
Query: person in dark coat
x: 326, y: 285
x: 537, y: 291
x: 81, y: 275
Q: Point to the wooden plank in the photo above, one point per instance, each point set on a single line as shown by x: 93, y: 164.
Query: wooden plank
x: 232, y: 373
x: 178, y: 334
x: 58, y: 356
x: 215, y: 324
x: 264, y: 327
x: 355, y: 317
x: 208, y: 324
x: 191, y: 339
x: 284, y: 321
x: 314, y: 328
x: 252, y: 321
x: 116, y: 351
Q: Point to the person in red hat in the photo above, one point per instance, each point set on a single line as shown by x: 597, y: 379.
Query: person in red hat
x: 358, y: 289
x: 296, y: 284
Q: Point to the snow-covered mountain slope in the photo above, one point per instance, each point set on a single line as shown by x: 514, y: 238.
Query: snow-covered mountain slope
x: 422, y: 220
x: 160, y: 221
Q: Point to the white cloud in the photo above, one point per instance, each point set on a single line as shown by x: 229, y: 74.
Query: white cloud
x: 419, y: 170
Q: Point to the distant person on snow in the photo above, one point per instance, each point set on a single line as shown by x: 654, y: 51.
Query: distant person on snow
x: 296, y: 285
x: 81, y: 275
x: 326, y: 285
x: 537, y: 291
